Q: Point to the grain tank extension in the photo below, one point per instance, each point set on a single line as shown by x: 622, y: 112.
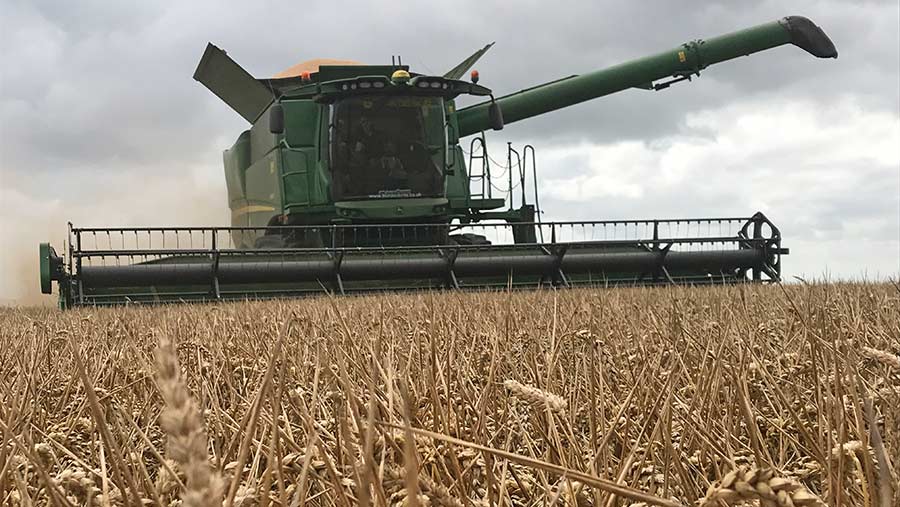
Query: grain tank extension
x: 355, y: 177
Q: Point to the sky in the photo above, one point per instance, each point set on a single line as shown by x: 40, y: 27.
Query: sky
x: 101, y: 123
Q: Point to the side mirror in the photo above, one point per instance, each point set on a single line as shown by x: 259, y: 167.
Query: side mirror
x: 495, y: 116
x: 276, y: 119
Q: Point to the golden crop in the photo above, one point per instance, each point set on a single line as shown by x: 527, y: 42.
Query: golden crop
x: 669, y: 396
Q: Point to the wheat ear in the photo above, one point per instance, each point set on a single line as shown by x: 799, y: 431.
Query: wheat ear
x: 536, y: 396
x: 431, y: 492
x: 186, y: 434
x: 883, y: 357
x: 745, y: 484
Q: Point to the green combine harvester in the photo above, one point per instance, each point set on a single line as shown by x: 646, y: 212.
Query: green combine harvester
x: 355, y: 178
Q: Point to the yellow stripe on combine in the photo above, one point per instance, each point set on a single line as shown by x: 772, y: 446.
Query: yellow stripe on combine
x: 253, y: 208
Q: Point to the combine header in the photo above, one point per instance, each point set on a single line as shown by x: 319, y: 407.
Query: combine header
x: 354, y: 178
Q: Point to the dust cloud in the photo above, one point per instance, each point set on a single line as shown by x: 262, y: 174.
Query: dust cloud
x: 133, y: 200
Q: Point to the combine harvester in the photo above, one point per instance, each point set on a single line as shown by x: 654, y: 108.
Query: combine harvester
x: 354, y: 178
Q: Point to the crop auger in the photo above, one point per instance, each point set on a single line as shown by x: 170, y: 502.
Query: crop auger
x: 353, y: 178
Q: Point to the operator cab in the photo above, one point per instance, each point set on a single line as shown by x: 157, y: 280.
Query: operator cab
x: 387, y: 146
x: 387, y: 134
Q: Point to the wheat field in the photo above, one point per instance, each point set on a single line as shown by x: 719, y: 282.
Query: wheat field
x: 766, y: 395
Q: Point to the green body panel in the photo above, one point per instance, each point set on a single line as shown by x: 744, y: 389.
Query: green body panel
x: 237, y: 160
x: 458, y: 181
x: 231, y: 83
x: 264, y: 188
x: 305, y: 183
x: 301, y: 122
x: 261, y: 140
x: 297, y: 175
x: 44, y: 256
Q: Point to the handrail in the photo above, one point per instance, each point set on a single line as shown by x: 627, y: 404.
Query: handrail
x: 377, y: 226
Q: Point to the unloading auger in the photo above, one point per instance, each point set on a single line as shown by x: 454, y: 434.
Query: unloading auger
x: 353, y: 178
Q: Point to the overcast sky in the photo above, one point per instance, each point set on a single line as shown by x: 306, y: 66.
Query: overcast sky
x: 102, y: 123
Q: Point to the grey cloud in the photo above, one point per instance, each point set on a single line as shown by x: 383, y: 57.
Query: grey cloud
x: 107, y: 82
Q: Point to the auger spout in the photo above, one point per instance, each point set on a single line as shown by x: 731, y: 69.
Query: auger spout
x: 679, y: 64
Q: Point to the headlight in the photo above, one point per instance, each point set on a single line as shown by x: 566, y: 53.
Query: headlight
x: 436, y: 84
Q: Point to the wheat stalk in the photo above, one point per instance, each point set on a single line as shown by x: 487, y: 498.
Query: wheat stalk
x: 744, y: 484
x: 187, y: 439
x: 885, y: 392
